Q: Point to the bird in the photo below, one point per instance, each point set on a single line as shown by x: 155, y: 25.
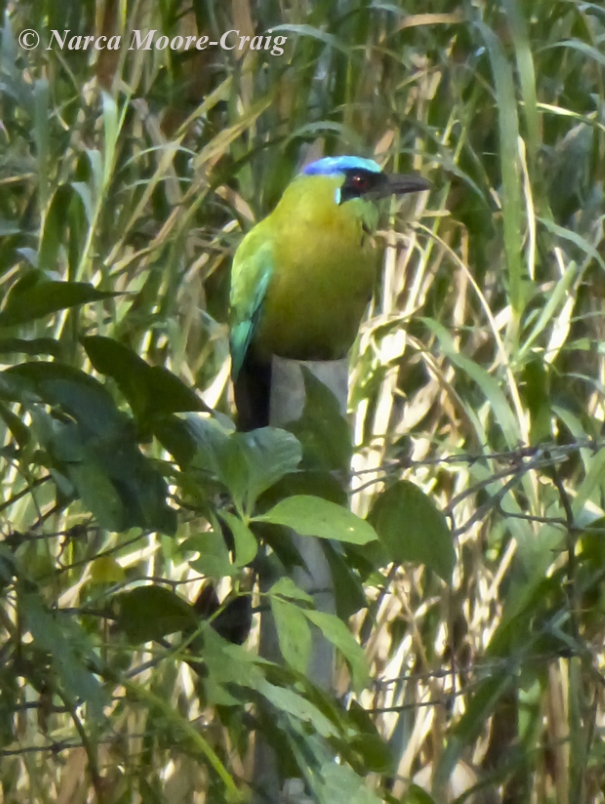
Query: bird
x: 302, y: 277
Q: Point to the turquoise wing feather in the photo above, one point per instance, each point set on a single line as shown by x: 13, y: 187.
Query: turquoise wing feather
x: 251, y: 274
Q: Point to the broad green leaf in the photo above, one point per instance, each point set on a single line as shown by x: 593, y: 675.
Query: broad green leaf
x: 64, y: 640
x: 42, y: 298
x: 416, y: 795
x: 376, y: 754
x: 33, y: 346
x: 412, y: 528
x: 99, y: 495
x: 339, y: 635
x: 246, y: 546
x: 270, y: 454
x: 287, y: 700
x: 218, y: 454
x: 348, y: 589
x: 214, y: 556
x: 293, y: 633
x: 285, y: 587
x: 226, y: 666
x: 322, y: 430
x: 228, y: 663
x: 18, y: 429
x: 120, y: 486
x: 151, y: 612
x: 148, y: 389
x: 313, y: 516
x: 174, y: 435
x: 246, y: 463
x: 77, y: 393
x: 341, y: 785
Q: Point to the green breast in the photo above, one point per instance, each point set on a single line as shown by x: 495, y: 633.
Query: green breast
x: 323, y: 272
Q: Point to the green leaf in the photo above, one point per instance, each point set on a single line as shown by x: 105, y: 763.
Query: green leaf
x: 339, y: 635
x: 565, y: 233
x: 376, y: 754
x: 174, y: 435
x: 228, y: 663
x: 489, y: 385
x: 218, y: 454
x: 99, y: 495
x: 467, y: 730
x: 348, y: 589
x: 246, y: 463
x: 215, y: 448
x: 214, y: 556
x: 151, y: 612
x: 64, y: 640
x: 341, y: 785
x: 526, y: 71
x: 18, y: 429
x: 119, y: 485
x: 55, y: 224
x: 293, y: 633
x: 39, y: 298
x: 412, y: 528
x: 78, y: 394
x: 538, y: 399
x: 285, y: 587
x: 416, y: 795
x: 508, y: 129
x: 307, y: 481
x: 313, y: 516
x: 322, y: 430
x: 314, y: 33
x: 42, y: 136
x: 287, y: 700
x: 246, y: 546
x: 32, y: 346
x: 270, y: 454
x: 148, y: 389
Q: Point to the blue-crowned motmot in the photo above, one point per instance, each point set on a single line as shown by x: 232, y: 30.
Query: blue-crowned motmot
x: 303, y: 276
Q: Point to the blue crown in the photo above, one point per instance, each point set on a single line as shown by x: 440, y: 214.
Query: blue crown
x: 330, y: 165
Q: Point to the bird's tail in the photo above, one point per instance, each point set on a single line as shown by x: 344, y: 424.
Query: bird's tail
x: 252, y: 389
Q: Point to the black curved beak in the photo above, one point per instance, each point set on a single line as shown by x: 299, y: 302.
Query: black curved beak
x: 398, y: 184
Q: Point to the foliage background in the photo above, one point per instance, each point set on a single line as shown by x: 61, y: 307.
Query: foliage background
x: 478, y: 375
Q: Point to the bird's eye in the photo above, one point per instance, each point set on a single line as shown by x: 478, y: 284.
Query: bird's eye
x: 359, y: 181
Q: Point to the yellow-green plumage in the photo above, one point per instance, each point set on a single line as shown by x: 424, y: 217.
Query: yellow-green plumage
x: 302, y: 277
x: 321, y: 264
